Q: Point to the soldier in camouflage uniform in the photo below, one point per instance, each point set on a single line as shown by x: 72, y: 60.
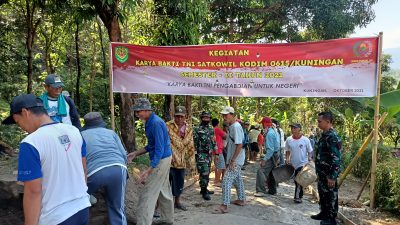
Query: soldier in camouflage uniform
x: 327, y: 166
x: 204, y: 143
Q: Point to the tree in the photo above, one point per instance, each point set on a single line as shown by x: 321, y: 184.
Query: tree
x: 180, y: 23
x: 267, y: 21
x: 109, y: 13
x: 32, y: 23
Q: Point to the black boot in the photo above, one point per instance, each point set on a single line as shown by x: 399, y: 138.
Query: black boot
x: 319, y: 216
x: 205, y: 194
x: 208, y: 191
x: 331, y: 221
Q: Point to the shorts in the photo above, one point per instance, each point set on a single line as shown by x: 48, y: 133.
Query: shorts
x: 220, y: 165
x: 254, y: 147
x: 177, y: 180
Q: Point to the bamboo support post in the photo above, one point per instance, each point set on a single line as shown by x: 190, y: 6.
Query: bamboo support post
x: 376, y: 126
x: 360, y: 152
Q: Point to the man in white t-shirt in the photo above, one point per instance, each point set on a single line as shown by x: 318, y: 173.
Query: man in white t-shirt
x: 298, y: 153
x: 234, y: 162
x: 60, y: 107
x: 52, y: 165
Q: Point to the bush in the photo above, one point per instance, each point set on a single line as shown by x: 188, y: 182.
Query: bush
x: 11, y: 134
x: 388, y: 185
x: 363, y: 164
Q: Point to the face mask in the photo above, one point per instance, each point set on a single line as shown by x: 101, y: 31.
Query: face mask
x: 205, y: 123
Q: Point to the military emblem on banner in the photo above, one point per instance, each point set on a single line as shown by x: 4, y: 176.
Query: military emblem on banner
x: 362, y: 48
x: 121, y: 54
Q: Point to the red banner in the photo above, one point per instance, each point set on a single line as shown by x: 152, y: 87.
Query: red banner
x: 332, y: 68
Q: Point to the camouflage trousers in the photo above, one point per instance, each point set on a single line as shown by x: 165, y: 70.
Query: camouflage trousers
x: 328, y: 198
x: 204, y: 173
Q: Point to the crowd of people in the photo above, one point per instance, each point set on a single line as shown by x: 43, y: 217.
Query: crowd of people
x: 62, y: 164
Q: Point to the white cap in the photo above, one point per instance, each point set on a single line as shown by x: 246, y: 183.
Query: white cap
x: 228, y: 110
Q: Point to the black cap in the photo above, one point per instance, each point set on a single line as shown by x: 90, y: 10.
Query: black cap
x: 20, y: 102
x: 296, y: 125
x: 54, y: 81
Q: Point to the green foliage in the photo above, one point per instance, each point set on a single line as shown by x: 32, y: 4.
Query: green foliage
x: 388, y: 184
x: 11, y: 134
x: 252, y: 20
x: 363, y: 165
x: 179, y: 22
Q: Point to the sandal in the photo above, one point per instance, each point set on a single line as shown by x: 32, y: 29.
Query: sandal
x: 220, y: 211
x: 181, y: 207
x: 239, y: 203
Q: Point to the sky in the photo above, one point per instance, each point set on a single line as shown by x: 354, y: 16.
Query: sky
x: 387, y: 20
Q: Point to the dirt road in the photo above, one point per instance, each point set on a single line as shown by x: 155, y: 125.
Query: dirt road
x: 274, y: 210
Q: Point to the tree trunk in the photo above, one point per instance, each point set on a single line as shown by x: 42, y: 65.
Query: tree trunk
x: 70, y: 63
x: 188, y: 106
x: 103, y: 52
x: 232, y: 101
x: 30, y: 39
x: 127, y: 120
x: 93, y: 74
x: 258, y: 108
x: 48, y: 38
x: 78, y: 67
x: 169, y: 102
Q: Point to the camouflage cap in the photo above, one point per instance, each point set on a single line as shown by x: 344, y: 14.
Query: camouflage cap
x: 142, y: 104
x: 180, y: 111
x: 205, y: 114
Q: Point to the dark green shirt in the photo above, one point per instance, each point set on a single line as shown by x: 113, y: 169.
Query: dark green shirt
x: 328, y: 155
x: 204, y: 142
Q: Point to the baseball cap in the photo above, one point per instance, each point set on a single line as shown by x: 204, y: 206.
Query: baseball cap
x: 180, y: 111
x: 54, y: 81
x: 266, y: 120
x: 228, y: 110
x: 18, y: 103
x: 296, y: 125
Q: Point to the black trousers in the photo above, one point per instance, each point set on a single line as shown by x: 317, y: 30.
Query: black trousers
x: 177, y: 180
x: 298, y: 192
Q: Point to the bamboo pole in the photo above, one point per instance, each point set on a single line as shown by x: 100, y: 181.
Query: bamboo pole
x: 376, y: 126
x: 363, y: 187
x: 360, y: 152
x: 111, y: 91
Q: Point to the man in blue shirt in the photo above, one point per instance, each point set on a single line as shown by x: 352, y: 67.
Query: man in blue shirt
x: 156, y: 177
x: 106, y: 165
x: 270, y: 160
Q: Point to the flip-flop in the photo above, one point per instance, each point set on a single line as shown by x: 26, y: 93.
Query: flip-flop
x: 219, y: 211
x: 238, y: 203
x: 181, y: 207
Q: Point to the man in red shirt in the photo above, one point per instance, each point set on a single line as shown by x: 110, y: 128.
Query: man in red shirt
x: 219, y: 160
